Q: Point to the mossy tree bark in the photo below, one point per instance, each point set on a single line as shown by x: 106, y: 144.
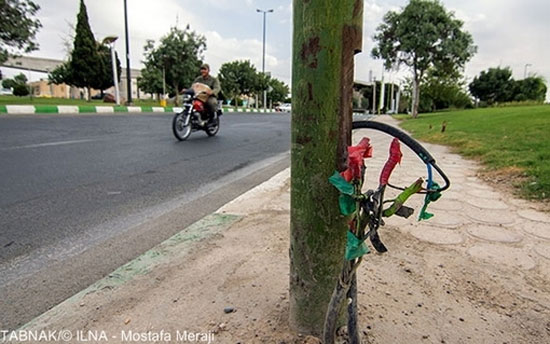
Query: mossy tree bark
x: 327, y: 35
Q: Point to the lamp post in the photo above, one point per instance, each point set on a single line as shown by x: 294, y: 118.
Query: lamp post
x: 128, y: 75
x: 111, y: 41
x: 263, y: 50
x: 525, y: 70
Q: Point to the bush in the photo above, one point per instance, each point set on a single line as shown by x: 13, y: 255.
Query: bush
x: 20, y: 90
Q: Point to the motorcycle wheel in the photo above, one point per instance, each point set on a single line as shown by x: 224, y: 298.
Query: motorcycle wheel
x: 181, y: 125
x: 213, y: 128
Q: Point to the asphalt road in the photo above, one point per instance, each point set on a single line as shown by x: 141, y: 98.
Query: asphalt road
x: 82, y: 195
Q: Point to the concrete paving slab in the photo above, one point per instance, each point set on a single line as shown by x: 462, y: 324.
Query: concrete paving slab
x: 538, y: 229
x: 543, y: 250
x: 446, y: 219
x: 437, y: 235
x: 503, y: 255
x: 483, y: 193
x: 447, y: 204
x: 495, y: 217
x: 479, y: 185
x: 534, y: 215
x: 486, y: 203
x: 494, y: 233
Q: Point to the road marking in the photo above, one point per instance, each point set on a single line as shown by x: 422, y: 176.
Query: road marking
x: 48, y: 144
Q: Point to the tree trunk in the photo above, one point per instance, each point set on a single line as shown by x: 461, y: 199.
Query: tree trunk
x: 322, y: 81
x: 176, y: 98
x: 416, y: 97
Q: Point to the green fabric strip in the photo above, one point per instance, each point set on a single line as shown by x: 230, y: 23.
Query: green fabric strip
x: 355, y: 248
x: 341, y: 184
x: 403, y: 197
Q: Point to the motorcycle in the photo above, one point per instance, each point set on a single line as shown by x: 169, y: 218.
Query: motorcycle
x: 194, y: 115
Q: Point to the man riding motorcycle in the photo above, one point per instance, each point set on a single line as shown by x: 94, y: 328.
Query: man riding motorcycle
x: 209, y: 97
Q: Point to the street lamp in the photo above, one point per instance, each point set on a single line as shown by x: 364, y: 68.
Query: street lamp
x: 110, y: 40
x: 263, y: 50
x: 525, y: 70
x: 128, y: 75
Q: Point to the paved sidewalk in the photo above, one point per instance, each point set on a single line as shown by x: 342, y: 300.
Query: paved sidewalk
x: 475, y: 273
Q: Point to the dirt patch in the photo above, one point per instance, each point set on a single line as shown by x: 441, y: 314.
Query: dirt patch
x: 510, y: 180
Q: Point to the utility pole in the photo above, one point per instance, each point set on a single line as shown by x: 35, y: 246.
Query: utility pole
x: 525, y: 70
x: 128, y: 74
x: 322, y: 87
x: 110, y: 40
x: 382, y: 92
x: 374, y: 96
x: 263, y: 50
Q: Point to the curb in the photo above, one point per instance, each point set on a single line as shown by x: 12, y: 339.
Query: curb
x: 175, y: 247
x: 104, y: 109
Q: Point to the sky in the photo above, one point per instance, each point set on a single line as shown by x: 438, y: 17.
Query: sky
x: 508, y: 33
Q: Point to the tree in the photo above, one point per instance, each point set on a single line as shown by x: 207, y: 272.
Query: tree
x: 279, y: 90
x: 493, y: 85
x: 443, y: 91
x: 17, y: 27
x: 322, y: 82
x: 239, y: 78
x: 421, y: 36
x: 151, y: 80
x: 86, y: 65
x: 18, y: 84
x: 61, y: 74
x: 180, y: 55
x: 531, y: 88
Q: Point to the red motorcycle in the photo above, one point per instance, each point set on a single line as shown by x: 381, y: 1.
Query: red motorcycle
x: 194, y: 115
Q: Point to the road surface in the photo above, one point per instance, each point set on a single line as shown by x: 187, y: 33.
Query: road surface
x: 81, y: 195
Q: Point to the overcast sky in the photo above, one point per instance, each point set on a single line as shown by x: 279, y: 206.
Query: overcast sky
x: 507, y: 32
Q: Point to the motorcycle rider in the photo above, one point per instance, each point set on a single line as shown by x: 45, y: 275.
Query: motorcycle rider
x: 211, y: 97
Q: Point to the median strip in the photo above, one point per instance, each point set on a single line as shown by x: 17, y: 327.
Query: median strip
x: 104, y: 109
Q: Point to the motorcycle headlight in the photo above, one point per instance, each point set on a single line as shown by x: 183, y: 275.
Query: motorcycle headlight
x: 186, y: 97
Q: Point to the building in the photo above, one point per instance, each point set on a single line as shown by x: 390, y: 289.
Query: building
x: 45, y: 65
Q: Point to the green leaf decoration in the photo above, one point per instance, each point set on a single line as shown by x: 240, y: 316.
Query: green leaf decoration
x: 347, y: 204
x: 430, y: 197
x: 341, y: 184
x: 355, y: 248
x: 424, y: 215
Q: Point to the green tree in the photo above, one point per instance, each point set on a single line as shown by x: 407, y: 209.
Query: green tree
x: 443, y: 91
x: 61, y: 74
x: 18, y: 84
x: 86, y: 65
x: 180, y: 55
x: 279, y: 90
x: 531, y: 88
x: 18, y: 27
x: 151, y: 80
x: 421, y: 36
x: 239, y: 78
x: 494, y: 85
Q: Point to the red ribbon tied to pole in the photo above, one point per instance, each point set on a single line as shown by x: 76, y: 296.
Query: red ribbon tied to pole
x: 356, y: 154
x: 393, y: 159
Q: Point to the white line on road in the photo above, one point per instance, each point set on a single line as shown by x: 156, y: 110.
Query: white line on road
x: 47, y: 144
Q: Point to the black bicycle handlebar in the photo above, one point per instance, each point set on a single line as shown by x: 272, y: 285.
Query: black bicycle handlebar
x: 422, y: 153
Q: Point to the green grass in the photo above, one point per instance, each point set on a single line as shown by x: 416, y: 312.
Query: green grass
x: 13, y: 100
x: 512, y: 141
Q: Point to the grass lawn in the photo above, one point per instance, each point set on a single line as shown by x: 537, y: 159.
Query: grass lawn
x: 13, y: 100
x: 513, y: 143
